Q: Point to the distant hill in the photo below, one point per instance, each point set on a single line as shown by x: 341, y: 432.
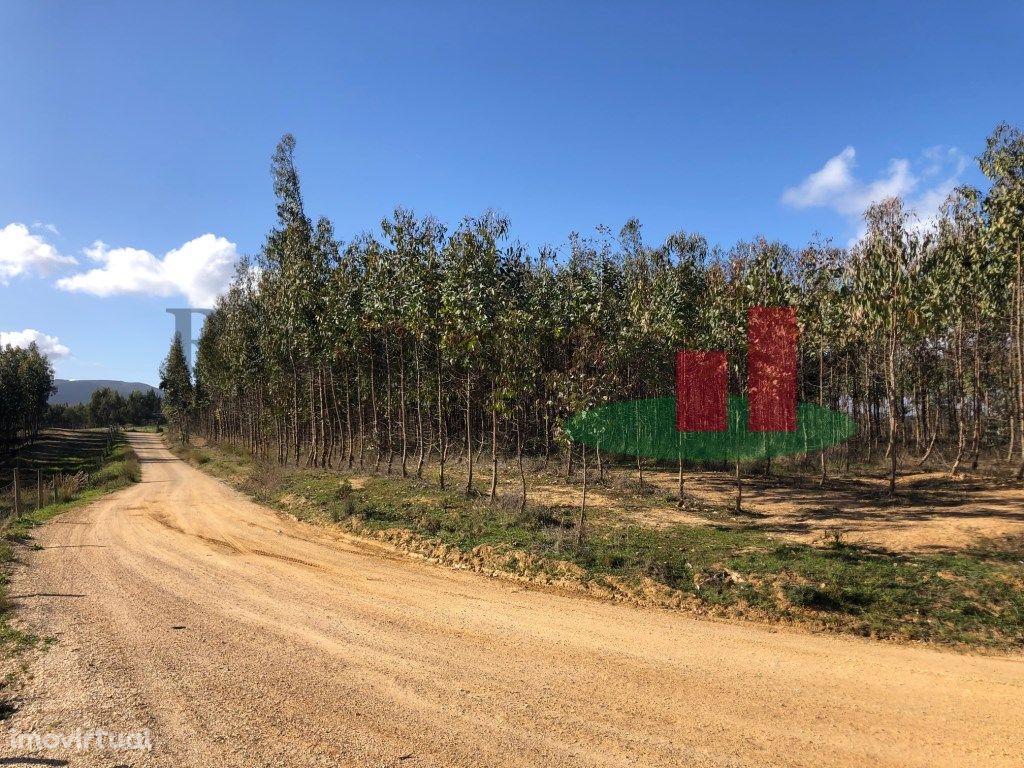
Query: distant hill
x: 80, y: 391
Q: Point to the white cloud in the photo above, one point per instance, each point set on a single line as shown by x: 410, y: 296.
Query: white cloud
x: 199, y: 270
x: 48, y: 345
x: 923, y: 184
x: 22, y: 253
x: 51, y: 228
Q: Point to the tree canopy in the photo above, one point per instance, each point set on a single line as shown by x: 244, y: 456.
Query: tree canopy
x: 428, y: 342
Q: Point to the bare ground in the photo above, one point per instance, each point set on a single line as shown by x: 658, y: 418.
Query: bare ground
x: 929, y: 512
x: 242, y: 638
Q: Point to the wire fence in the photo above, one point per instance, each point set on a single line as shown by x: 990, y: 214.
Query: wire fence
x: 25, y: 489
x: 29, y: 490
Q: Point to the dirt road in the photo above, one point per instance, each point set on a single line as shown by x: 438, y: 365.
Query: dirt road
x: 241, y: 638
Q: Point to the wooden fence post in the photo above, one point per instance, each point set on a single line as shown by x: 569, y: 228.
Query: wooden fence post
x: 17, y: 493
x: 39, y: 489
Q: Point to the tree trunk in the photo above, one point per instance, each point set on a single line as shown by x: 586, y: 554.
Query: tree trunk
x: 469, y: 435
x: 682, y: 486
x: 581, y: 522
x: 401, y: 405
x: 519, y: 462
x: 442, y: 443
x: 821, y: 404
x: 421, y: 457
x: 958, y: 398
x: 739, y: 488
x: 494, y: 444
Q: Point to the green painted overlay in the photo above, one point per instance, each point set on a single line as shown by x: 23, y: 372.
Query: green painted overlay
x: 648, y: 428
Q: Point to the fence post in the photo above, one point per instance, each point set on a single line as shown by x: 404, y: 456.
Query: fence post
x: 39, y: 489
x: 17, y: 493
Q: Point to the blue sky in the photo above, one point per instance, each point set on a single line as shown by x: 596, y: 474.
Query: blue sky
x: 148, y: 128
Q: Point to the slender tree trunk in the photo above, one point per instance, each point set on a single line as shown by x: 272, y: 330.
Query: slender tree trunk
x: 469, y: 434
x: 976, y: 435
x: 442, y: 443
x: 958, y: 397
x: 1019, y: 349
x: 361, y: 415
x: 311, y: 456
x: 373, y: 411
x: 739, y: 488
x: 519, y: 462
x: 419, y: 415
x: 494, y: 443
x: 821, y: 404
x: 681, y: 492
x: 547, y: 432
x: 349, y: 427
x: 390, y: 413
x: 401, y: 405
x: 891, y: 397
x: 581, y: 522
x: 295, y: 410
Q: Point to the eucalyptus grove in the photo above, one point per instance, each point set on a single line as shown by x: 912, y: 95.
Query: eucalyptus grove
x: 422, y: 346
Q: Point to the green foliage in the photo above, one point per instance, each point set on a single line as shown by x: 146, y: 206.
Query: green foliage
x: 176, y: 383
x: 417, y: 339
x: 26, y: 383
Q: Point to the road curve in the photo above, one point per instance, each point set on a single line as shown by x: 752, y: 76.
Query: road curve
x: 241, y: 638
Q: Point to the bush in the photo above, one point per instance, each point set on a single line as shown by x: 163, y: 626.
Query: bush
x: 123, y: 469
x: 133, y: 468
x: 196, y: 457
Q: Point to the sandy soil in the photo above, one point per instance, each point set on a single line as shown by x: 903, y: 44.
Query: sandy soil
x: 930, y: 511
x: 242, y: 638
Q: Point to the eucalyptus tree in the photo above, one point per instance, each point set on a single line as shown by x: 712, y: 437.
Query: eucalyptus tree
x: 179, y: 395
x: 346, y: 346
x: 413, y: 255
x: 818, y: 276
x: 1003, y: 163
x: 295, y: 259
x: 213, y: 396
x: 468, y: 306
x: 682, y: 299
x: 517, y: 372
x: 643, y: 345
x: 886, y: 262
x: 26, y: 383
x: 956, y: 302
x: 582, y: 296
x: 760, y: 273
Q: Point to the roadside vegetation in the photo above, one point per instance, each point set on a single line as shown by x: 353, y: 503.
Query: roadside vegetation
x: 79, y: 466
x: 731, y: 568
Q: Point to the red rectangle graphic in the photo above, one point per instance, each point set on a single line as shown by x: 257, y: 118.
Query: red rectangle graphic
x: 771, y: 362
x: 701, y: 391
